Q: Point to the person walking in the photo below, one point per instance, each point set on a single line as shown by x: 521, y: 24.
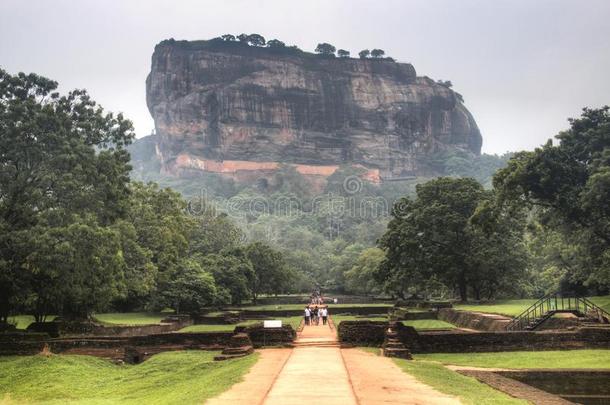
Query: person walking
x: 324, y: 315
x: 307, y: 316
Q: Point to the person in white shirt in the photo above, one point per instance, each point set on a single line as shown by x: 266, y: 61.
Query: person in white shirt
x: 307, y: 315
x: 324, y: 315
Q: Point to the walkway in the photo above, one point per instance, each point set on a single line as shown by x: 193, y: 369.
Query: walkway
x: 317, y: 370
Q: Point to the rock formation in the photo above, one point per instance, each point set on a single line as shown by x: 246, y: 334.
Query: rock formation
x: 243, y: 111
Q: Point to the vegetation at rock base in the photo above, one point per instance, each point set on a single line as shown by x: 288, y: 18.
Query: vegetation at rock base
x: 80, y: 237
x: 188, y: 377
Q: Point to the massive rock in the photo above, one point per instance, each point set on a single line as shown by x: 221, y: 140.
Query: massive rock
x: 243, y: 111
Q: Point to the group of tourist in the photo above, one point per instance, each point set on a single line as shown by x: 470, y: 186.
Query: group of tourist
x: 313, y: 314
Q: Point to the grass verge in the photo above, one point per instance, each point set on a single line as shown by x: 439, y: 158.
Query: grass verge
x: 540, y: 359
x: 467, y: 389
x: 174, y: 377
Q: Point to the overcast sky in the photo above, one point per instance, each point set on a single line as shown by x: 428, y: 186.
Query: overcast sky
x: 523, y: 66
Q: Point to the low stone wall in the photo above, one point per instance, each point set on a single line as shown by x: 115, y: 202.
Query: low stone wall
x: 474, y: 320
x: 451, y: 342
x: 262, y: 337
x: 403, y: 314
x: 21, y: 343
x: 56, y: 329
x: 362, y: 333
x: 371, y: 333
x: 277, y: 313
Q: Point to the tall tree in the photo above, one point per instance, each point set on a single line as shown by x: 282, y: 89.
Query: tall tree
x: 325, y: 49
x: 272, y: 276
x: 377, y: 53
x: 62, y: 162
x: 569, y: 186
x: 342, y: 53
x: 431, y: 236
x: 363, y: 54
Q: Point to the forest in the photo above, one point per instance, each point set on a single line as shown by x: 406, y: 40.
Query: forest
x: 88, y: 223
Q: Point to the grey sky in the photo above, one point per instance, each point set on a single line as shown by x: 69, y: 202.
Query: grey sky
x: 523, y: 67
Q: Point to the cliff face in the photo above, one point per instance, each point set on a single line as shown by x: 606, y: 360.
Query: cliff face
x: 229, y: 108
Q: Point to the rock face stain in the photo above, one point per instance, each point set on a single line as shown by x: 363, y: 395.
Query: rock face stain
x: 229, y: 108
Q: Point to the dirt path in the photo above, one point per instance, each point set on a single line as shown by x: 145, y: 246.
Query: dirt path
x: 317, y: 370
x: 256, y: 384
x: 378, y: 380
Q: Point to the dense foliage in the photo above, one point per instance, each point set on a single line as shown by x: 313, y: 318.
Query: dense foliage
x: 567, y: 189
x: 78, y: 236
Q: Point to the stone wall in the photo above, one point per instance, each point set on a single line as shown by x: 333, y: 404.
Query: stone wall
x: 370, y: 333
x: 270, y: 314
x: 569, y: 384
x: 474, y: 320
x: 362, y: 333
x: 262, y: 337
x: 403, y: 314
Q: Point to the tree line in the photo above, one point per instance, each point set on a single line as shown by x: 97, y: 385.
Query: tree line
x: 323, y: 49
x: 78, y: 236
x: 544, y: 226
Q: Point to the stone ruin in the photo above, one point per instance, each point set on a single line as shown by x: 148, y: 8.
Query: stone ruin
x: 239, y: 345
x: 392, y: 345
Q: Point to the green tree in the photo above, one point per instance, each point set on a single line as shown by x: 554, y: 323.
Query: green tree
x: 191, y: 289
x: 430, y: 236
x: 233, y: 275
x: 276, y: 44
x: 62, y: 162
x: 569, y: 185
x: 325, y: 49
x: 256, y: 40
x: 272, y: 276
x: 377, y: 53
x: 163, y: 227
x: 360, y: 279
x: 342, y: 53
x: 364, y: 54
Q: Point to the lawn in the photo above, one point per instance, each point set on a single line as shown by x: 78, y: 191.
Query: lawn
x: 516, y: 307
x: 501, y: 307
x: 118, y: 318
x: 424, y: 324
x: 294, y: 321
x: 468, y: 389
x: 188, y: 377
x: 23, y: 321
x: 603, y: 302
x: 541, y: 359
x: 131, y: 318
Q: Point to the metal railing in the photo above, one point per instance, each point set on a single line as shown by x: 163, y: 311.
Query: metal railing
x: 551, y: 304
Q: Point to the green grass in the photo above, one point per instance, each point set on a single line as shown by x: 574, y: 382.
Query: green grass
x: 541, y: 359
x: 603, y: 302
x: 501, y: 307
x: 291, y: 320
x: 23, y: 321
x: 174, y: 377
x: 424, y: 324
x: 130, y: 318
x: 516, y: 307
x: 468, y: 389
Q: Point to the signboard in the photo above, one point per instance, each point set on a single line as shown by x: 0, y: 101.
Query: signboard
x: 272, y: 324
